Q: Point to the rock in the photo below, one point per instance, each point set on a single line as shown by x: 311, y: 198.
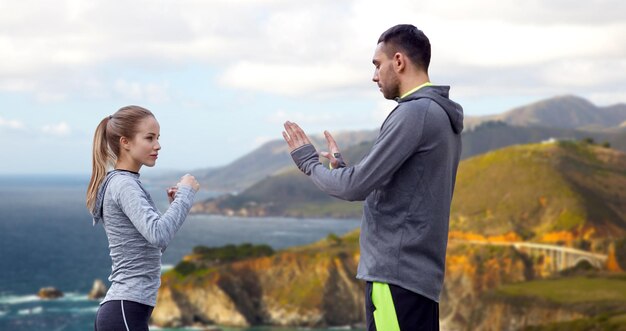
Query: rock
x: 49, y: 293
x: 167, y: 311
x: 207, y: 304
x: 98, y: 290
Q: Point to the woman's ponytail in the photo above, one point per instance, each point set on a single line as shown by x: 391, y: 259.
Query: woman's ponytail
x: 102, y: 158
x: 106, y: 145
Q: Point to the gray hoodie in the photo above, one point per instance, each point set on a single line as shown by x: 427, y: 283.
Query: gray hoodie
x: 407, y: 181
x: 137, y: 234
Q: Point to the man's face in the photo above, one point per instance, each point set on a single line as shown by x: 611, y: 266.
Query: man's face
x: 384, y: 75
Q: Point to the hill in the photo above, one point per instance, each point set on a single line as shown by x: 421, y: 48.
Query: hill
x: 493, y: 135
x: 268, y: 159
x: 289, y: 193
x: 560, y: 112
x: 537, y: 189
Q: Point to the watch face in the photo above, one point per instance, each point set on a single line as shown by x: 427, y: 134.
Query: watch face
x: 336, y: 155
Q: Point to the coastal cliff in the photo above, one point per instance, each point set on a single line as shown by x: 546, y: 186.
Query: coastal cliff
x: 471, y: 301
x: 307, y: 286
x: 314, y: 286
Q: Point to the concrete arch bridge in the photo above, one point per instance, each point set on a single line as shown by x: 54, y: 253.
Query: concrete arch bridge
x: 559, y: 257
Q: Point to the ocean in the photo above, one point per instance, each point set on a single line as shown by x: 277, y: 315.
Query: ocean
x: 47, y: 239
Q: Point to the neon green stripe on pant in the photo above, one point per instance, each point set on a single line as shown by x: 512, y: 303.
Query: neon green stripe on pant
x: 385, y: 314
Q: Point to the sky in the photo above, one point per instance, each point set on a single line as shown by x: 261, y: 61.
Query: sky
x: 222, y: 76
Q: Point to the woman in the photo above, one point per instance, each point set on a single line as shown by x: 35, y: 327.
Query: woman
x: 136, y: 230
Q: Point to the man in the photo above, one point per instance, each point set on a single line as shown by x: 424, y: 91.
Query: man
x: 406, y: 180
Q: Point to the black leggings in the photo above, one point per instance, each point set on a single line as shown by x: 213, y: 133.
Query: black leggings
x: 122, y: 315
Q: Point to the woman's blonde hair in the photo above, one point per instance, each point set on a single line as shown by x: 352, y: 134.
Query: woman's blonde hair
x: 106, y: 144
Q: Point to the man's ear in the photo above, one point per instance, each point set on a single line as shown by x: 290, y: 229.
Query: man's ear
x: 399, y: 62
x: 124, y: 143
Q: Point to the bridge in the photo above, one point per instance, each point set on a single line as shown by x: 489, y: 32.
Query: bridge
x: 559, y: 257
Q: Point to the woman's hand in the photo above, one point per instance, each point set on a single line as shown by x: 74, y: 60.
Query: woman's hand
x: 171, y: 193
x: 191, y: 181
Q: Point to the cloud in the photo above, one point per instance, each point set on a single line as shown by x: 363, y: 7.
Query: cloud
x: 151, y: 92
x: 608, y: 98
x: 487, y: 55
x: 588, y: 72
x: 51, y: 97
x: 509, y: 45
x: 289, y: 79
x: 59, y: 129
x: 12, y: 124
x: 281, y: 116
x: 292, y: 48
x: 535, y: 12
x: 258, y: 141
x: 382, y: 110
x: 350, y: 116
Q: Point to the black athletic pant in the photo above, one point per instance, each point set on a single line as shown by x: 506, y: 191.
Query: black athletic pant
x: 391, y: 308
x: 122, y: 315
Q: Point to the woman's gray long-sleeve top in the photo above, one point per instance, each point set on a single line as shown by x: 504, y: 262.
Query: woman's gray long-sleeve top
x: 138, y: 233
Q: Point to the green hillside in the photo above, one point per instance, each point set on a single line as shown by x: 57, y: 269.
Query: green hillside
x: 539, y: 188
x: 601, y: 296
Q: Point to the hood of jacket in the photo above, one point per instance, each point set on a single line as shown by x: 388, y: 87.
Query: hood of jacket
x: 440, y: 95
x: 97, y: 212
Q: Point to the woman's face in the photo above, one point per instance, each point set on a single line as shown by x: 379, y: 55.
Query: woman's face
x: 144, y: 146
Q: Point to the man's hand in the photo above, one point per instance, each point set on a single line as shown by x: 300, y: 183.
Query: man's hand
x: 294, y: 136
x: 333, y: 148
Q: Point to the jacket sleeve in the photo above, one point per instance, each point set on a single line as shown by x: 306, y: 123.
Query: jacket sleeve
x: 157, y: 228
x: 398, y: 140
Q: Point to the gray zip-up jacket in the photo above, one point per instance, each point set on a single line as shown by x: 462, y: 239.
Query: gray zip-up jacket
x: 407, y: 181
x: 137, y: 234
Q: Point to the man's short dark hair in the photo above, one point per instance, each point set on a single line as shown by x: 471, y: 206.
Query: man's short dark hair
x: 411, y: 41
